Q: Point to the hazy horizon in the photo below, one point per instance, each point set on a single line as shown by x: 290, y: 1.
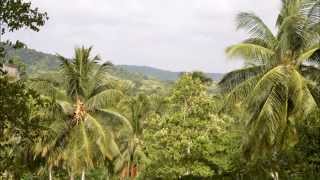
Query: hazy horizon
x: 172, y: 35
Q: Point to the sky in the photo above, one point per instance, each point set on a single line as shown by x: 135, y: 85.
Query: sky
x: 176, y: 35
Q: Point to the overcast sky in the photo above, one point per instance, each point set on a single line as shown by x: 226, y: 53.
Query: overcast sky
x: 177, y: 35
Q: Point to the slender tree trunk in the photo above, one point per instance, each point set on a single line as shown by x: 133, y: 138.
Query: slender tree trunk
x: 50, y: 173
x: 129, y: 168
x: 107, y: 175
x: 83, y: 175
x: 0, y: 30
x: 275, y: 175
x: 71, y: 176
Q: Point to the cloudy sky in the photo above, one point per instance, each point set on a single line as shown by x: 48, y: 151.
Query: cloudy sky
x: 177, y: 35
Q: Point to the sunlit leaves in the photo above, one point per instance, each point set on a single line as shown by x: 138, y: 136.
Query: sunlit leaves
x: 187, y: 140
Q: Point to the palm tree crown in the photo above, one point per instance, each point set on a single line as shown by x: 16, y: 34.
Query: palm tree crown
x: 278, y: 86
x: 81, y: 134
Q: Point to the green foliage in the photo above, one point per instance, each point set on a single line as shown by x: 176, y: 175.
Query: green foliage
x: 299, y: 162
x: 272, y: 91
x: 22, y: 68
x: 35, y: 61
x: 21, y: 123
x: 16, y: 14
x: 187, y: 140
x: 306, y: 152
x: 80, y: 136
x: 86, y: 116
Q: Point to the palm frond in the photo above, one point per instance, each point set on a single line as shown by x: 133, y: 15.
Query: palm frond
x: 315, y: 58
x: 257, y: 41
x: 104, y: 98
x: 98, y: 77
x: 280, y: 98
x: 234, y: 78
x: 308, y: 54
x: 289, y: 8
x: 267, y: 123
x: 66, y: 64
x: 292, y: 34
x: 53, y: 143
x: 250, y: 52
x: 105, y: 140
x: 310, y: 72
x: 116, y: 118
x: 86, y: 147
x: 267, y: 111
x: 66, y: 107
x: 315, y: 92
x: 99, y: 89
x: 311, y: 11
x: 72, y: 77
x: 83, y: 61
x: 256, y: 27
x: 302, y: 101
x: 237, y: 96
x: 137, y: 109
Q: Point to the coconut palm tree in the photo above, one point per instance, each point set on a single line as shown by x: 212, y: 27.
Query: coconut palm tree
x: 80, y: 134
x: 279, y: 85
x: 136, y: 109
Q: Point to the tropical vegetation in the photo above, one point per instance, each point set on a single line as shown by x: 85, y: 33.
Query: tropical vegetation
x: 83, y: 117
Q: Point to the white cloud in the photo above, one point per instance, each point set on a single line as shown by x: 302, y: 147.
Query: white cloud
x: 171, y: 34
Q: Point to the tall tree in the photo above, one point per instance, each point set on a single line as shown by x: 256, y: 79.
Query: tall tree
x: 136, y: 109
x: 189, y: 141
x: 82, y: 135
x: 279, y: 86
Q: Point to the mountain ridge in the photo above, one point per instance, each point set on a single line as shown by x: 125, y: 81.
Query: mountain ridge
x: 45, y: 61
x: 161, y: 74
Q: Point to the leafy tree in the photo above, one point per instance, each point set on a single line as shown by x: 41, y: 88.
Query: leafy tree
x: 16, y: 14
x: 186, y: 142
x: 199, y: 75
x: 305, y: 157
x: 299, y: 162
x: 20, y: 125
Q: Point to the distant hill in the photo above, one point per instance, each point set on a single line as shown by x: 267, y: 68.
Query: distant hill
x: 43, y: 61
x: 160, y: 74
x: 34, y: 59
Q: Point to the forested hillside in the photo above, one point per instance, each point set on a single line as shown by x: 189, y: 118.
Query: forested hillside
x: 34, y: 59
x: 38, y: 60
x: 163, y: 74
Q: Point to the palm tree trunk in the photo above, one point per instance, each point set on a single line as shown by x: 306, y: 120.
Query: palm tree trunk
x: 71, y: 176
x: 50, y: 173
x: 83, y: 175
x: 275, y: 175
x: 129, y: 164
x: 0, y: 30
